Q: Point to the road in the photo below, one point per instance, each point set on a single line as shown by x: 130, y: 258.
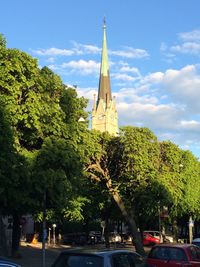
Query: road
x: 32, y: 254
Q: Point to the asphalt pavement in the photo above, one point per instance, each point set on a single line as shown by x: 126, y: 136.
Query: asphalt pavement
x: 31, y: 254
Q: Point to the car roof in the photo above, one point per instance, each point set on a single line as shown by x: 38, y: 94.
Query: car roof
x: 196, y: 240
x: 173, y: 245
x: 8, y: 263
x: 97, y: 251
x: 151, y: 231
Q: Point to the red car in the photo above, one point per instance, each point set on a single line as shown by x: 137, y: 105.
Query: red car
x: 173, y: 255
x: 151, y: 238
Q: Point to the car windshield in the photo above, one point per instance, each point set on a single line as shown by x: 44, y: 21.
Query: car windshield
x: 78, y: 260
x: 168, y: 253
x: 197, y: 243
x: 195, y: 253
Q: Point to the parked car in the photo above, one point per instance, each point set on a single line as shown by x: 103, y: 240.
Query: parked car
x: 173, y: 255
x: 95, y: 237
x: 98, y: 258
x: 4, y: 262
x: 115, y: 237
x: 78, y: 238
x: 156, y: 237
x: 151, y: 238
x: 167, y: 238
x: 196, y: 242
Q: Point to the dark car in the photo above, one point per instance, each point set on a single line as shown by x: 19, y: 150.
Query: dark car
x: 173, y: 255
x: 98, y: 258
x: 7, y: 263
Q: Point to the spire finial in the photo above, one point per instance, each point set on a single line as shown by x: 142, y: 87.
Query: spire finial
x: 104, y: 22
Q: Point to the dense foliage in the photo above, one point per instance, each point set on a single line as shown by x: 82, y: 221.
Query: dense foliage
x: 85, y: 175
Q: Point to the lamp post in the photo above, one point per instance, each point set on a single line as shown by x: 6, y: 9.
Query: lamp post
x: 44, y: 233
x: 190, y: 225
x: 54, y: 234
x: 49, y: 237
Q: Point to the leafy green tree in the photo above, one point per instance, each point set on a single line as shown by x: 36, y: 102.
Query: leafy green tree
x: 190, y: 173
x: 125, y: 164
x: 2, y: 41
x: 36, y: 103
x: 137, y: 164
x: 14, y: 179
x: 179, y: 175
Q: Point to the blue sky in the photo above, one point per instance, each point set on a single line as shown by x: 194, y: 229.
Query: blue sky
x: 153, y: 49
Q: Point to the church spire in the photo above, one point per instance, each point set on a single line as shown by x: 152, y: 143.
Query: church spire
x: 104, y: 113
x: 104, y: 80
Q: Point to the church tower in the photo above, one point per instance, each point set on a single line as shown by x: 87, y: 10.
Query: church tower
x: 104, y: 113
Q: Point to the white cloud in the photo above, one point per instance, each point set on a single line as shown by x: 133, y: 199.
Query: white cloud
x: 155, y: 77
x: 190, y: 36
x: 53, y: 52
x: 53, y: 67
x: 132, y: 70
x: 187, y: 48
x: 130, y: 52
x: 190, y: 125
x: 184, y: 86
x: 188, y: 43
x: 82, y: 66
x: 154, y: 116
x: 123, y: 77
x: 88, y: 49
x: 81, y: 49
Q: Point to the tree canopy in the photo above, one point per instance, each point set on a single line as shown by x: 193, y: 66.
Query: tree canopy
x: 45, y: 148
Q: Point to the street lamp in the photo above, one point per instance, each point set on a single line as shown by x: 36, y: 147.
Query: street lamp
x: 54, y: 234
x: 190, y: 225
x: 49, y: 237
x: 44, y: 232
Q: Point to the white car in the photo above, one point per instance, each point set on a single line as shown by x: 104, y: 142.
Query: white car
x: 98, y: 258
x: 115, y: 237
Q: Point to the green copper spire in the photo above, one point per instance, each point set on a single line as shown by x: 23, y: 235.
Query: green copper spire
x: 104, y: 81
x: 104, y: 60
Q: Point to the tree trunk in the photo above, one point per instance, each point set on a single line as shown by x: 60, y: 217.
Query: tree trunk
x: 3, y: 247
x: 106, y: 231
x: 129, y: 217
x: 16, y: 235
x: 175, y: 229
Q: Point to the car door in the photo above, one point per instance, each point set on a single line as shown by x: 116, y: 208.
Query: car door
x: 121, y: 260
x: 137, y: 259
x: 194, y: 253
x: 166, y: 257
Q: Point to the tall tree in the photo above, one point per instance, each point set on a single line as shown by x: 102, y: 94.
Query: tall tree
x: 125, y: 164
x: 36, y: 102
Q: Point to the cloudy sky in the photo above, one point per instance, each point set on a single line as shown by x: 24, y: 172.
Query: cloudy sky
x: 154, y: 55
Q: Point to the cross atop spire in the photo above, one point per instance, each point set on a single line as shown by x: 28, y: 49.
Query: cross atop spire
x: 104, y: 22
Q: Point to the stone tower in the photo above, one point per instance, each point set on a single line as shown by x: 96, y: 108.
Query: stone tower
x: 104, y: 113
